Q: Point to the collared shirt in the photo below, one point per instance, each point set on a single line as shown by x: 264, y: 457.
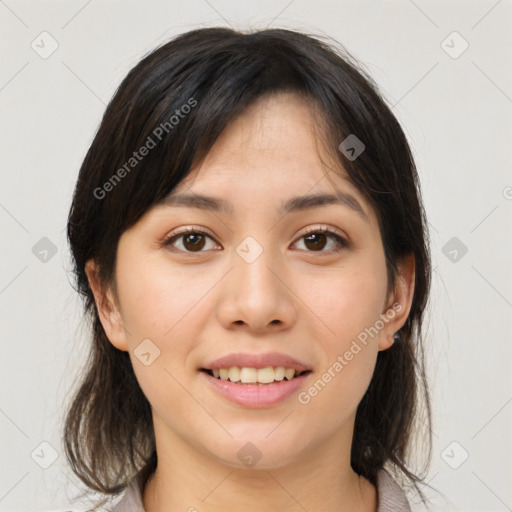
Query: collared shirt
x: 390, y: 496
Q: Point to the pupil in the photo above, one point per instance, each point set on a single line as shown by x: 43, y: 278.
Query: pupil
x: 195, y: 244
x: 316, y: 236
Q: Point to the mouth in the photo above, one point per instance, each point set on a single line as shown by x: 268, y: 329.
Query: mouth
x: 255, y: 388
x: 255, y: 376
x: 252, y: 380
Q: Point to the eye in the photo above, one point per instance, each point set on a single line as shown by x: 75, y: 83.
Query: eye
x: 191, y: 240
x: 315, y: 239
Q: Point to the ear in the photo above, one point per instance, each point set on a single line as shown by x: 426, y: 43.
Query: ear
x: 399, y: 302
x: 108, y: 311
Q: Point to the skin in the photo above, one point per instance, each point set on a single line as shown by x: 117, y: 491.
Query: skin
x: 295, y: 299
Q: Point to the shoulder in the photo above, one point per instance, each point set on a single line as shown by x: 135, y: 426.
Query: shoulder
x: 391, y: 497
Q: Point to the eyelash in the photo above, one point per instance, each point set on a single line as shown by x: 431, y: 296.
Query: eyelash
x: 342, y: 243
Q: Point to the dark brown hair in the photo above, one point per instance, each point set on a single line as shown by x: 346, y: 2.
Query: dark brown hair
x: 217, y: 73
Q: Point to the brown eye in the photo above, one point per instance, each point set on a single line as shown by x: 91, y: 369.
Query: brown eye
x: 317, y: 239
x: 191, y: 240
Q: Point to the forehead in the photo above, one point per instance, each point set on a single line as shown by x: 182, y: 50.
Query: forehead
x: 273, y: 142
x: 273, y: 150
x: 280, y: 128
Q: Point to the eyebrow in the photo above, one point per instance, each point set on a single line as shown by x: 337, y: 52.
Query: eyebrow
x: 293, y: 204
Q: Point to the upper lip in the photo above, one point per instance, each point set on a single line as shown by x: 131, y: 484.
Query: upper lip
x: 241, y: 360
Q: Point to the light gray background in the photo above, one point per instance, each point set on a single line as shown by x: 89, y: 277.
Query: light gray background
x: 456, y: 113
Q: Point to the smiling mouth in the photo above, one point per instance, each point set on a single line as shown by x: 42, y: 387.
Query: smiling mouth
x: 261, y: 376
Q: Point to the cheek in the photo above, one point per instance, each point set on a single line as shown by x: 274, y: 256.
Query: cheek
x: 167, y: 306
x: 157, y: 297
x: 158, y: 304
x: 349, y: 302
x: 347, y: 299
x: 337, y: 392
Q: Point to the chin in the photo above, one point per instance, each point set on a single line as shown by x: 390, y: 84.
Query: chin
x: 257, y: 452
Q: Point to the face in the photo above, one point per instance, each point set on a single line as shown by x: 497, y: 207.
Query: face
x: 262, y: 282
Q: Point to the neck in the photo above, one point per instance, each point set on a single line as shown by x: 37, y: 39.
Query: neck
x: 320, y: 481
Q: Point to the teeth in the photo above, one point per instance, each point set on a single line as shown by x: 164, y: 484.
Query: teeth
x: 234, y: 374
x: 289, y: 373
x: 279, y: 373
x: 266, y: 375
x: 247, y: 375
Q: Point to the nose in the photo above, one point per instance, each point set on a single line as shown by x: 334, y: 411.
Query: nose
x: 257, y: 294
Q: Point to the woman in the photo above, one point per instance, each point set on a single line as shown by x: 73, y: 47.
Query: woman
x: 249, y: 238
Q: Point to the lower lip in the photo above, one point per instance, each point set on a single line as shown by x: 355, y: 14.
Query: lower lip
x: 254, y: 395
